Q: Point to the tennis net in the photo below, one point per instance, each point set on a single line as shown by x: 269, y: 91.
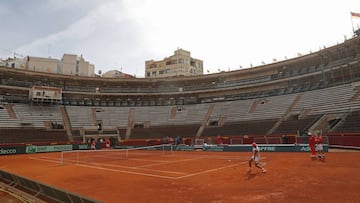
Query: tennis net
x: 103, y: 155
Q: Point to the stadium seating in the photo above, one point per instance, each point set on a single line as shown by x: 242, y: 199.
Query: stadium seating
x: 316, y: 92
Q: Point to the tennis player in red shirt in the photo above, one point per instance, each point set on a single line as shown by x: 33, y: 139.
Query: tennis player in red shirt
x: 312, y: 145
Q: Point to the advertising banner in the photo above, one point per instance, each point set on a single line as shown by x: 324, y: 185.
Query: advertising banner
x: 12, y: 150
x: 48, y: 148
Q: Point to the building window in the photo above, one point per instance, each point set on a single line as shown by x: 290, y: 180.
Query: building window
x: 170, y: 62
x: 200, y: 65
x: 77, y: 68
x: 181, y: 61
x: 148, y: 74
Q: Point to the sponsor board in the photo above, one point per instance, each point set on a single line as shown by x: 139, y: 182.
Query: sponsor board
x: 7, y: 151
x: 48, y: 148
x: 217, y: 148
x: 268, y: 148
x: 12, y: 150
x: 82, y: 146
x: 184, y: 148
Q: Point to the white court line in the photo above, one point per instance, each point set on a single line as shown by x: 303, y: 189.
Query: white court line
x: 49, y: 159
x: 46, y: 159
x: 170, y: 162
x: 147, y: 174
x: 211, y: 170
x: 167, y: 177
x: 119, y: 166
x: 140, y: 168
x: 123, y: 171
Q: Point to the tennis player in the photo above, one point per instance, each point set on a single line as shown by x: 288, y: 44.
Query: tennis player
x: 319, y: 146
x: 312, y: 145
x: 255, y: 158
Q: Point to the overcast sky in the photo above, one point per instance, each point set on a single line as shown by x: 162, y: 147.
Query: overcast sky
x: 123, y: 34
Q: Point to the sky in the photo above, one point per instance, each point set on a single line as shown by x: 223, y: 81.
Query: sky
x: 122, y: 34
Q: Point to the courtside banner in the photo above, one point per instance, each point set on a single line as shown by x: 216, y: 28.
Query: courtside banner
x: 48, y: 148
x: 81, y: 146
x: 12, y: 150
x: 184, y: 148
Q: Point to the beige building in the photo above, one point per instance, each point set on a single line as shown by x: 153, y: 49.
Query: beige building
x: 38, y: 64
x: 74, y: 65
x: 116, y: 74
x: 18, y: 63
x: 179, y: 64
x: 68, y: 65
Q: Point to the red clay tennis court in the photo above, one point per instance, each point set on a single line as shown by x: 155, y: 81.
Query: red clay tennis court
x: 194, y: 176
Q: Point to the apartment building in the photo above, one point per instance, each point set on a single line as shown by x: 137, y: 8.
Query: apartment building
x: 179, y: 64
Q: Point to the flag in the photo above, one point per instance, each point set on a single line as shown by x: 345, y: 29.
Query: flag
x: 356, y: 15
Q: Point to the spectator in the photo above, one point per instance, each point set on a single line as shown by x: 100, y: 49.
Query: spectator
x: 285, y: 139
x: 165, y: 140
x: 107, y: 143
x: 219, y: 140
x: 93, y: 144
x: 178, y: 140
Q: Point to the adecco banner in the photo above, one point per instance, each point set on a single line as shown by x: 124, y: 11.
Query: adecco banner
x: 48, y: 148
x: 12, y: 150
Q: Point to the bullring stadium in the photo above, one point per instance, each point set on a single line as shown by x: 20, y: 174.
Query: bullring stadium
x: 274, y: 105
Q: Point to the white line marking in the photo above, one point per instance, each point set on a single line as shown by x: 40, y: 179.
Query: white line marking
x: 51, y: 159
x: 169, y: 162
x: 124, y: 171
x: 211, y: 170
x: 48, y: 159
x: 139, y: 168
